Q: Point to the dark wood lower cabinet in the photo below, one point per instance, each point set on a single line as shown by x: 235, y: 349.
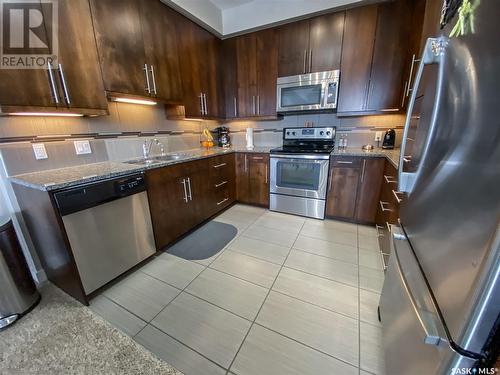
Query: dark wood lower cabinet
x: 252, y: 176
x: 354, y: 188
x: 184, y: 195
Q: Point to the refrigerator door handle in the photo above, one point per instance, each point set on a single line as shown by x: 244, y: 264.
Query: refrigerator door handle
x: 427, y: 319
x: 433, y: 54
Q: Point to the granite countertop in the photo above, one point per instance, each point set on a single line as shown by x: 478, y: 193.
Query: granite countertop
x: 55, y: 179
x: 391, y: 155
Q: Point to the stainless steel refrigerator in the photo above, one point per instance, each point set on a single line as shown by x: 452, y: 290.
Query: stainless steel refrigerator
x: 440, y: 302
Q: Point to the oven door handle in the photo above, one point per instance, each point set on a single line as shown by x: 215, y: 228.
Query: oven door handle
x: 300, y: 157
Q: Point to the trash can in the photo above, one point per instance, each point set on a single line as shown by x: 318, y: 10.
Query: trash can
x: 18, y: 293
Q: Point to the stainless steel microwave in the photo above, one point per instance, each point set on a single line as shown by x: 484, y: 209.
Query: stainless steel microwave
x: 308, y: 92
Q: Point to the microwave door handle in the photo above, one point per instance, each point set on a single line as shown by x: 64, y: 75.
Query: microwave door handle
x: 324, y: 97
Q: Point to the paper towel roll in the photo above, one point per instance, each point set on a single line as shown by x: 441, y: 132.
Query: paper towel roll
x: 249, y: 139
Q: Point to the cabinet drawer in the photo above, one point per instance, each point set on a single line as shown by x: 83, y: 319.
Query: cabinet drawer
x: 223, y: 196
x: 345, y: 161
x: 221, y: 168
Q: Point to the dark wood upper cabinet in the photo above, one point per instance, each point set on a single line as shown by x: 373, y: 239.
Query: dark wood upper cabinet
x: 200, y: 72
x: 246, y: 63
x: 256, y: 70
x: 267, y: 72
x: 77, y: 86
x: 118, y: 32
x: 160, y: 42
x: 325, y: 42
x: 313, y: 45
x: 293, y: 48
x: 357, y: 53
x: 230, y: 78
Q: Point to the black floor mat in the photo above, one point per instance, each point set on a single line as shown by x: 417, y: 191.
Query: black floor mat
x: 204, y: 242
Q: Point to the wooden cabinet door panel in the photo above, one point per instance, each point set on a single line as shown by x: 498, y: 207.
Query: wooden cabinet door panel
x: 230, y: 78
x: 325, y: 42
x: 26, y: 87
x: 170, y: 213
x: 342, y: 192
x: 120, y: 44
x: 267, y: 72
x: 160, y: 42
x: 210, y: 79
x: 78, y: 56
x: 371, y: 177
x: 246, y: 56
x: 357, y: 53
x: 258, y: 179
x: 242, y: 186
x: 389, y: 56
x: 293, y: 48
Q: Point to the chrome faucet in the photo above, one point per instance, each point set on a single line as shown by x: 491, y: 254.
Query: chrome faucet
x: 148, y: 144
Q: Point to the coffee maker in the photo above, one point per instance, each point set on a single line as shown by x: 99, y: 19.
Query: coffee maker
x: 389, y: 139
x: 223, y: 137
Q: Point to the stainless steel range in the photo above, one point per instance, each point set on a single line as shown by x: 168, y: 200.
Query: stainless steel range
x: 299, y: 171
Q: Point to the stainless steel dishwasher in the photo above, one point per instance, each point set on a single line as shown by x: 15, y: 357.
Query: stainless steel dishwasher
x: 108, y: 225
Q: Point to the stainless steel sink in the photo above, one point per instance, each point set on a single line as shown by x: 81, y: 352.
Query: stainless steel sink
x: 154, y: 159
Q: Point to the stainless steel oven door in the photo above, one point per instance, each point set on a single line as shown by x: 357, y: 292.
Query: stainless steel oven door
x: 299, y: 175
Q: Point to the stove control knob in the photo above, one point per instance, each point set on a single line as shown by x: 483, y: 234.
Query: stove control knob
x: 321, y: 132
x: 328, y: 133
x: 287, y: 133
x: 293, y: 133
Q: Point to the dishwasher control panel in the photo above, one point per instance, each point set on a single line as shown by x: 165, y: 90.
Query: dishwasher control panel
x: 131, y: 184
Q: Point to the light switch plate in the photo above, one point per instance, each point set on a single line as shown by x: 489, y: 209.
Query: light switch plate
x: 82, y: 147
x: 40, y: 151
x: 378, y: 136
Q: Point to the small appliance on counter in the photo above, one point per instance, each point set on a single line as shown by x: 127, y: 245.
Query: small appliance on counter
x: 299, y: 171
x: 222, y: 136
x: 389, y: 139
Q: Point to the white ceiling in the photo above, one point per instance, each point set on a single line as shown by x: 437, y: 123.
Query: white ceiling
x: 231, y: 17
x: 226, y: 4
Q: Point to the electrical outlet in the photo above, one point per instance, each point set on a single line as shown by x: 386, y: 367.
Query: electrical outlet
x: 40, y: 151
x: 82, y: 147
x: 378, y: 136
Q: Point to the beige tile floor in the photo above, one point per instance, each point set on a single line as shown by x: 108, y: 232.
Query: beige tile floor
x: 288, y: 295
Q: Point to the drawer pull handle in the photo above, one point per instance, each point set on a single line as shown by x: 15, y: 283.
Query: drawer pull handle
x: 257, y: 157
x: 222, y: 201
x: 382, y: 206
x: 395, y: 193
x: 388, y: 226
x: 390, y: 180
x: 220, y: 165
x: 344, y: 162
x: 379, y: 227
x: 407, y: 159
x: 222, y: 183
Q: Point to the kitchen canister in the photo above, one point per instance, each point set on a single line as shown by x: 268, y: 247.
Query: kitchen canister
x: 249, y: 139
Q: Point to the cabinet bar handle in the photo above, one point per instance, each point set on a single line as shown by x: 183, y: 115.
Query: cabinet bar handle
x: 153, y: 78
x: 220, y: 165
x: 257, y: 157
x: 382, y: 206
x: 395, y: 193
x: 235, y: 107
x: 330, y: 179
x: 65, y: 87
x: 310, y: 59
x: 407, y: 159
x: 52, y: 83
x: 379, y: 227
x: 404, y: 95
x: 183, y: 182
x: 189, y: 189
x: 266, y: 174
x: 201, y: 104
x: 390, y: 180
x: 246, y: 163
x: 253, y: 104
x: 363, y: 171
x: 343, y: 162
x: 305, y: 61
x: 222, y: 201
x: 148, y: 85
x: 258, y: 104
x: 413, y: 61
x: 205, y: 101
x: 222, y: 183
x: 388, y: 226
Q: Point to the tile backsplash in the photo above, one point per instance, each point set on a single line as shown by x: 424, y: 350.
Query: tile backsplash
x: 129, y: 118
